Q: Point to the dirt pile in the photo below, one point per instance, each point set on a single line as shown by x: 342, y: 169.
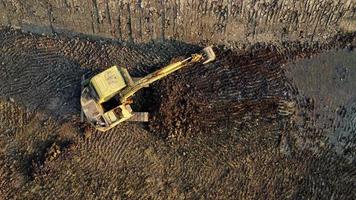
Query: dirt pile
x: 237, y: 90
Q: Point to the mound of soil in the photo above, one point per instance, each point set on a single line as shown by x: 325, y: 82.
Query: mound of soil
x: 236, y: 90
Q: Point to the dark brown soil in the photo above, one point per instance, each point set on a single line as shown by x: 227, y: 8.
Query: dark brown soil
x: 235, y: 91
x: 249, y: 126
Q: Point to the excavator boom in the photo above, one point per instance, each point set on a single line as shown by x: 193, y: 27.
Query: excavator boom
x: 207, y: 55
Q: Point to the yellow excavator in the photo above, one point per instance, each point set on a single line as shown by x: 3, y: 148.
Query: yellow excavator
x: 106, y: 97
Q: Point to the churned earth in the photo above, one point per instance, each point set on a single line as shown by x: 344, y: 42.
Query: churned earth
x: 262, y: 122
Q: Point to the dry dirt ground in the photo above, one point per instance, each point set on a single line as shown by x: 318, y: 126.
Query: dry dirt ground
x: 264, y: 122
x: 229, y: 22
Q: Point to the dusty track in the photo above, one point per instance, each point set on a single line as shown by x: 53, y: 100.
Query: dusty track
x: 217, y: 131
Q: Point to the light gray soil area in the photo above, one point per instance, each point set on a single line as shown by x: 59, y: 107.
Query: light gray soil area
x: 274, y: 117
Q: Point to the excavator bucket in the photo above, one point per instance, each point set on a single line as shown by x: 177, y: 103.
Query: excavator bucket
x: 208, y: 54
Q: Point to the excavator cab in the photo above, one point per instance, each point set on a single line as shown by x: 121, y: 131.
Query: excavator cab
x: 106, y: 97
x: 100, y: 99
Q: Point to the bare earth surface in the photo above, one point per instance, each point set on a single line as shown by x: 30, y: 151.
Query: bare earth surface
x: 264, y: 122
x: 230, y: 22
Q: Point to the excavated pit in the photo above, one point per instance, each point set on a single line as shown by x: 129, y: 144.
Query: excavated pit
x: 249, y: 126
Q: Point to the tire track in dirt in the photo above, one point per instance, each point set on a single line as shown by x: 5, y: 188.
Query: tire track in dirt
x: 242, y: 158
x: 12, y: 116
x: 106, y: 158
x: 24, y: 137
x: 36, y: 79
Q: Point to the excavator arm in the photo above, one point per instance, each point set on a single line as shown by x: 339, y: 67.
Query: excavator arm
x: 207, y: 55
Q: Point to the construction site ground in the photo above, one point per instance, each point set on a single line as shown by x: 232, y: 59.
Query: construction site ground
x: 262, y: 122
